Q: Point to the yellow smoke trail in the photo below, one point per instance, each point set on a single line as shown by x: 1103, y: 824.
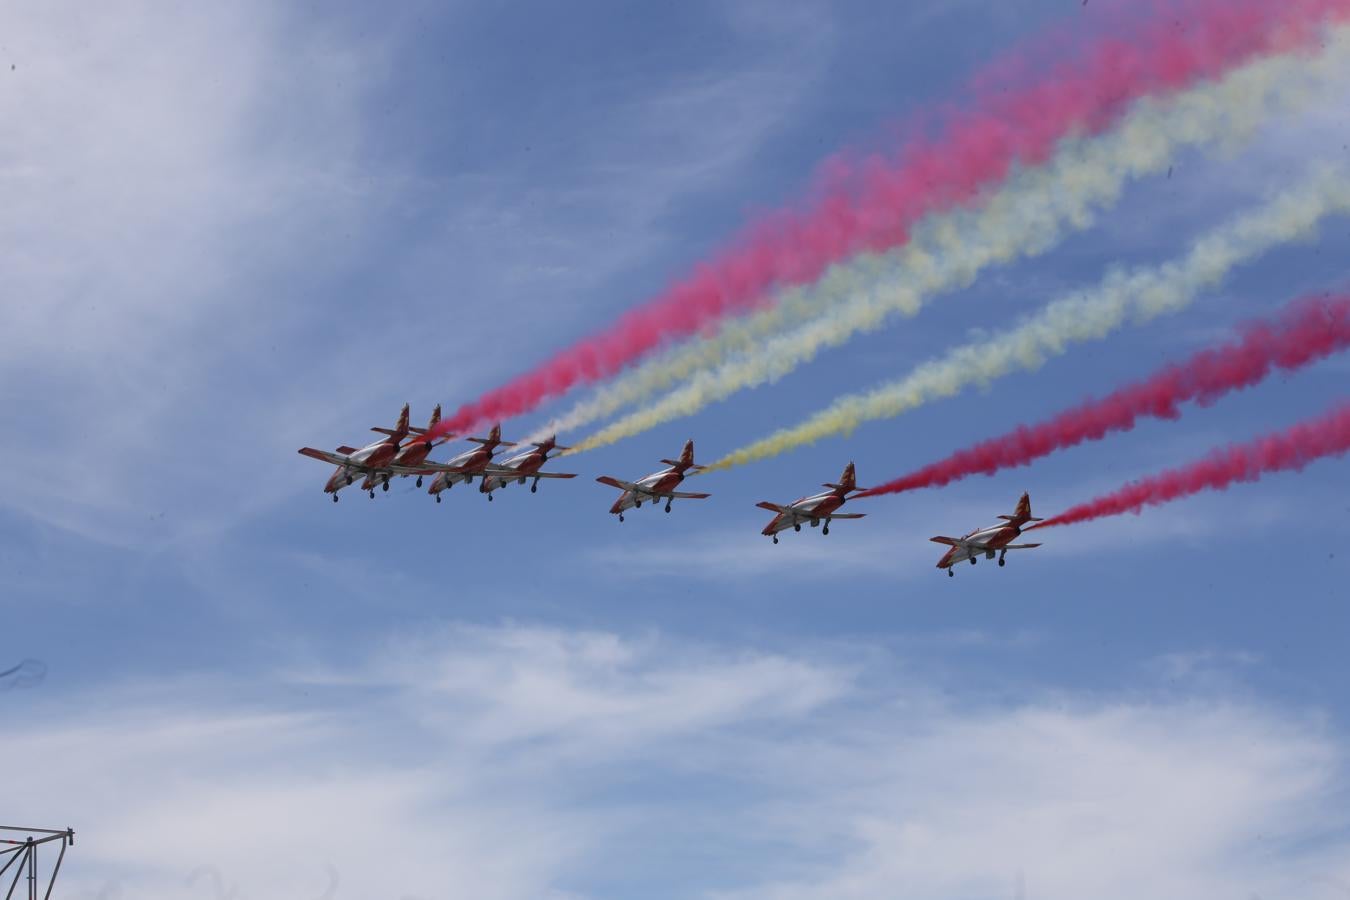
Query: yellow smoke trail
x: 1123, y: 297
x: 1026, y: 217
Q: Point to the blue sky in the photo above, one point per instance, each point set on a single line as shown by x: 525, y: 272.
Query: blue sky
x: 229, y: 233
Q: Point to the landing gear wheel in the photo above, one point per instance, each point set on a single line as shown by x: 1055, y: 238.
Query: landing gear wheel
x: 385, y: 486
x: 620, y: 517
x: 775, y: 538
x: 534, y: 488
x: 972, y: 560
x: 796, y: 526
x: 438, y: 498
x: 372, y: 493
x: 826, y: 529
x: 334, y: 496
x: 637, y: 504
x: 1002, y: 562
x: 419, y: 480
x: 667, y: 506
x: 951, y: 574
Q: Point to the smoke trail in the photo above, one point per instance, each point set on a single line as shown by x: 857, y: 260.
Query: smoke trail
x: 1140, y: 295
x: 1306, y: 332
x: 960, y: 246
x: 1289, y: 450
x: 1176, y: 44
x: 1086, y: 174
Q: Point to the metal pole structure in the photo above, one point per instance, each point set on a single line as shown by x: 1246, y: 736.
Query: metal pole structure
x: 18, y: 872
x: 70, y: 837
x: 23, y: 857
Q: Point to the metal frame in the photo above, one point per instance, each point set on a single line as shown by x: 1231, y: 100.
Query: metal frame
x: 24, y: 854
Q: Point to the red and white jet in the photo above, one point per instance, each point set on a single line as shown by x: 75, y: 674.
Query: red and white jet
x: 352, y: 462
x: 468, y: 464
x: 521, y: 467
x: 411, y: 458
x: 814, y: 509
x: 657, y: 485
x: 988, y: 541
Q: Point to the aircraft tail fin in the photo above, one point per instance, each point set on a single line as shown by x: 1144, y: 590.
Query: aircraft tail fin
x: 1022, y: 514
x: 435, y: 418
x: 686, y: 461
x: 494, y: 438
x: 551, y: 444
x: 847, y: 482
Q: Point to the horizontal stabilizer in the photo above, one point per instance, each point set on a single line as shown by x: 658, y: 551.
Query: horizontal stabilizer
x: 844, y: 488
x: 692, y: 467
x: 772, y: 507
x: 1015, y: 518
x: 950, y: 542
x: 487, y: 441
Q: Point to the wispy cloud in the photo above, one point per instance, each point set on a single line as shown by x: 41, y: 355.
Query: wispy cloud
x: 515, y: 760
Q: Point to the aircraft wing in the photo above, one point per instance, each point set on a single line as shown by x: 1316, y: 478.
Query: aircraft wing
x: 432, y: 468
x: 621, y: 485
x: 324, y: 456
x: 1020, y: 546
x: 513, y: 475
x: 428, y: 468
x: 949, y: 541
x: 686, y: 495
x: 773, y: 507
x: 844, y: 516
x: 552, y: 475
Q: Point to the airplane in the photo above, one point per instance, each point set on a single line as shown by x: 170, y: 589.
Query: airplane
x: 411, y: 458
x: 813, y: 509
x: 521, y: 467
x: 351, y: 462
x: 468, y: 464
x: 656, y: 485
x: 995, y: 538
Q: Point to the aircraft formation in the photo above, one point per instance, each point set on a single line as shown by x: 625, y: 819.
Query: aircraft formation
x: 1003, y: 180
x: 405, y: 449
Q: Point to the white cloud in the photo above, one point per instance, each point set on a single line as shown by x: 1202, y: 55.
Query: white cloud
x: 515, y: 761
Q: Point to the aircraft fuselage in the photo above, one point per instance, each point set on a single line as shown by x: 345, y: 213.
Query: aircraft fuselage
x: 981, y: 542
x: 657, y: 483
x: 473, y: 462
x: 808, y: 509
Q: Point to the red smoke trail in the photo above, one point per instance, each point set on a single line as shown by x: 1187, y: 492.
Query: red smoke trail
x: 1305, y: 332
x: 1328, y: 435
x: 1176, y: 43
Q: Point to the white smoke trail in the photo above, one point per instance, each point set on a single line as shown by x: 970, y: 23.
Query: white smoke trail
x: 1025, y: 217
x: 1123, y: 297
